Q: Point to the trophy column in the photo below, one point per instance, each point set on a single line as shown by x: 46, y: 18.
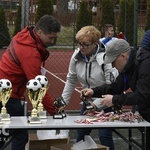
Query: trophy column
x: 44, y: 82
x: 6, y: 89
x: 33, y: 92
x: 59, y: 105
x: 40, y: 108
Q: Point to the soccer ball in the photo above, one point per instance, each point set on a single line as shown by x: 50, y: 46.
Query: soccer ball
x: 5, y: 83
x: 43, y: 80
x: 33, y: 85
x: 0, y: 87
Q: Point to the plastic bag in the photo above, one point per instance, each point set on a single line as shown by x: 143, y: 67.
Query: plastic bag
x: 88, y: 143
x: 52, y: 134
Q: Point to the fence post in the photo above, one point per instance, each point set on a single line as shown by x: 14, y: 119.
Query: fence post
x: 25, y: 13
x: 75, y: 2
x: 135, y: 23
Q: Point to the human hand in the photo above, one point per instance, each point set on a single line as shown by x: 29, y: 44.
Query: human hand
x: 120, y: 35
x: 107, y: 100
x: 87, y: 92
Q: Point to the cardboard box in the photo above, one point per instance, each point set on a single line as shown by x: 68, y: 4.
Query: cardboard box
x: 36, y: 144
x: 68, y: 147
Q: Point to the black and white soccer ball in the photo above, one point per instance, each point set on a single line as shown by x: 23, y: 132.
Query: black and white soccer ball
x: 5, y: 84
x: 33, y: 85
x: 0, y: 87
x: 43, y: 80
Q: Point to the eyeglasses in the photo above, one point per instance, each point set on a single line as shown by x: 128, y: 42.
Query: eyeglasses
x: 84, y: 45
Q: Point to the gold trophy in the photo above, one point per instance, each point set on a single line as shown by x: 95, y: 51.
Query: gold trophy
x: 44, y: 82
x: 6, y: 89
x: 59, y: 105
x: 33, y: 92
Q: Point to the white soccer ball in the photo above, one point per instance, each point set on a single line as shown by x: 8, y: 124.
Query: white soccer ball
x: 5, y: 83
x: 33, y: 85
x: 0, y: 87
x: 43, y: 80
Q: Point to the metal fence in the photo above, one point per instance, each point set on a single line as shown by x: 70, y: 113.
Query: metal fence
x: 57, y: 64
x: 67, y: 17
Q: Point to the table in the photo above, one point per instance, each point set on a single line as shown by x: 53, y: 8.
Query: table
x: 68, y: 123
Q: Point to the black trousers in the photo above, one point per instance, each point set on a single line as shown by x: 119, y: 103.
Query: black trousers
x: 15, y: 108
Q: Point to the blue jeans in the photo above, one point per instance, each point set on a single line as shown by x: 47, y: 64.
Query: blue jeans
x: 105, y: 135
x: 15, y: 108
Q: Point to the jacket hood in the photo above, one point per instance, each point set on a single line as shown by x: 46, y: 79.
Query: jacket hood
x: 24, y: 37
x: 142, y: 54
x: 99, y: 56
x: 146, y: 42
x: 137, y: 57
x: 29, y: 38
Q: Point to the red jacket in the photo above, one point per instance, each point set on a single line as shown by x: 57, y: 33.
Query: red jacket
x: 22, y: 61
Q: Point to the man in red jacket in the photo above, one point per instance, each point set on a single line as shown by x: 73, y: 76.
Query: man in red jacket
x: 21, y: 62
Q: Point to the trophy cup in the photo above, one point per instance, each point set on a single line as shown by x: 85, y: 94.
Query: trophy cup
x: 44, y: 82
x: 59, y: 105
x: 33, y: 92
x: 6, y: 89
x: 85, y: 100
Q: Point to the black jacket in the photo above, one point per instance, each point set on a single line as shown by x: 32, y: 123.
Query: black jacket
x: 136, y: 76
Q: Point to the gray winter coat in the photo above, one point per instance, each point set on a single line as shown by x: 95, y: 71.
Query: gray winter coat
x: 90, y: 73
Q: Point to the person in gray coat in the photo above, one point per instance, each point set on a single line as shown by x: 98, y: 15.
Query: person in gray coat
x: 87, y: 67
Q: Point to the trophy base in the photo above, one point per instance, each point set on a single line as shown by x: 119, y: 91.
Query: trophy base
x: 58, y: 116
x: 5, y: 118
x: 42, y: 115
x: 34, y: 120
x: 64, y: 115
x: 1, y: 122
x: 89, y: 107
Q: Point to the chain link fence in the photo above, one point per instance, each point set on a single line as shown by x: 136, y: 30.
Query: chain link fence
x: 65, y: 11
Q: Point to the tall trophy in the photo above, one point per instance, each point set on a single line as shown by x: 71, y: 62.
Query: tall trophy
x: 44, y: 82
x: 33, y: 92
x: 85, y: 100
x: 6, y: 89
